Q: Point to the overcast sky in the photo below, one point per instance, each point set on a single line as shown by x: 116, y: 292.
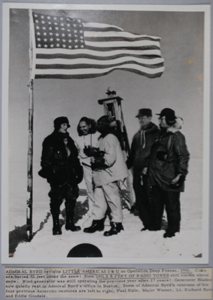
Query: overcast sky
x: 180, y: 87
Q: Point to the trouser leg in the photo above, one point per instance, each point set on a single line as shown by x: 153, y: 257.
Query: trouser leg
x: 100, y: 204
x: 98, y: 212
x: 112, y: 196
x: 141, y: 196
x: 56, y: 197
x: 72, y: 193
x: 156, y: 206
x: 89, y: 186
x: 111, y: 193
x: 172, y: 204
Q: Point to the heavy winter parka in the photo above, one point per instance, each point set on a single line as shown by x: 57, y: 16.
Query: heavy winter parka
x: 141, y: 147
x: 58, y: 167
x: 169, y: 157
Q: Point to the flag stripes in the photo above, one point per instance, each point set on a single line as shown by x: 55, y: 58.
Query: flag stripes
x: 87, y: 62
x: 70, y: 48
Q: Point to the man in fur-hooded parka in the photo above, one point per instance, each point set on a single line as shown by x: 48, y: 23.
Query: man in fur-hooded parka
x: 167, y: 172
x: 108, y: 169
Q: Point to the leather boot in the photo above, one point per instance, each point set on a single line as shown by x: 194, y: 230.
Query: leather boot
x: 115, y: 229
x: 169, y: 234
x: 69, y: 220
x: 97, y: 225
x: 56, y: 225
x: 71, y: 226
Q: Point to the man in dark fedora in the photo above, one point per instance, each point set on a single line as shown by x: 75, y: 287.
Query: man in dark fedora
x: 167, y: 171
x: 139, y: 160
x: 62, y: 169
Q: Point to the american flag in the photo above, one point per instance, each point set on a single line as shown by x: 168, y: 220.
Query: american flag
x: 70, y: 48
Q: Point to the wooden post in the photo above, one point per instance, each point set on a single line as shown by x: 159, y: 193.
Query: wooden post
x: 29, y: 208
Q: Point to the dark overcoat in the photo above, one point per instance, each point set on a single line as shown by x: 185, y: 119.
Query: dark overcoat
x: 58, y: 167
x: 169, y: 157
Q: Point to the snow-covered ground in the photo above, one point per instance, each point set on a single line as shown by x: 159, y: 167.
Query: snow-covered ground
x: 130, y: 243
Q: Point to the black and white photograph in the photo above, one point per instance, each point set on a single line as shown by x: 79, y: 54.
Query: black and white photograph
x: 105, y: 134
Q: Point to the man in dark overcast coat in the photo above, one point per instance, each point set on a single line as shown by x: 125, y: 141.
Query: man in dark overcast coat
x: 139, y: 160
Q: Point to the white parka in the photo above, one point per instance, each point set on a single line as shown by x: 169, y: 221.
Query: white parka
x: 114, y: 159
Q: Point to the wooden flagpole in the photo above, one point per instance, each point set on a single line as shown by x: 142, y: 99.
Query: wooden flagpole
x: 29, y: 208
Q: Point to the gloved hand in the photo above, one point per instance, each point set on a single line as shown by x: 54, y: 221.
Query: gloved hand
x: 90, y: 151
x: 98, y: 163
x: 177, y: 182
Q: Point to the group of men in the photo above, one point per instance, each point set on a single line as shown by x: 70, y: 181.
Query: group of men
x: 158, y: 157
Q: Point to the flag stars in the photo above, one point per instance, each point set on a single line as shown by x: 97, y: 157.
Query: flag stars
x: 56, y: 32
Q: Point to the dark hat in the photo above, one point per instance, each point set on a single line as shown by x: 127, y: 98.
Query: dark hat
x: 169, y: 114
x: 144, y: 112
x: 60, y: 120
x: 104, y: 120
